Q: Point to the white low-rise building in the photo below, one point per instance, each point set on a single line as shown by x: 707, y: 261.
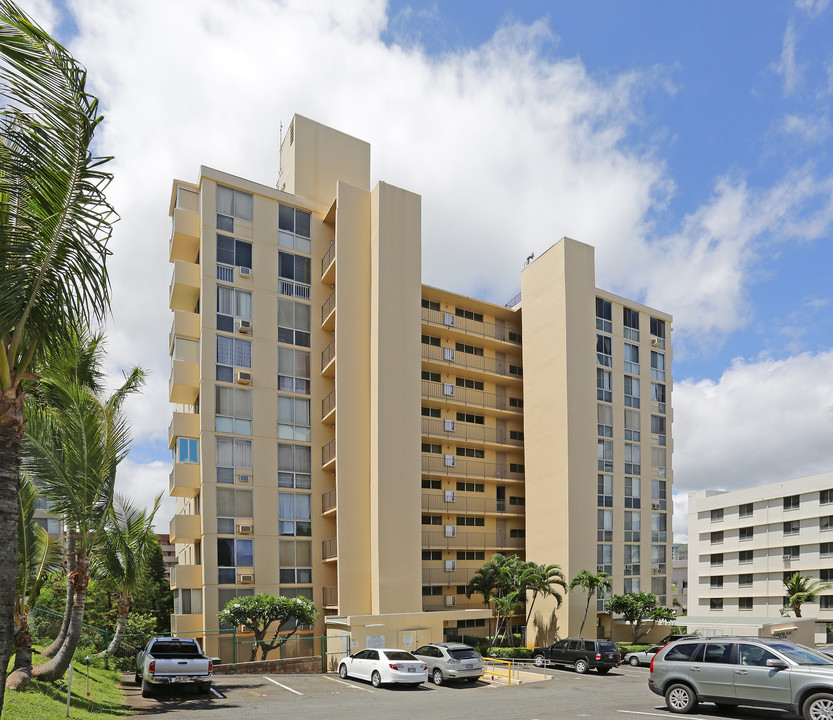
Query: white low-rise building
x: 742, y: 544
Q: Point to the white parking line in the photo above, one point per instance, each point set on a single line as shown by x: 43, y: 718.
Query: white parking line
x: 283, y: 686
x: 663, y: 715
x: 350, y: 685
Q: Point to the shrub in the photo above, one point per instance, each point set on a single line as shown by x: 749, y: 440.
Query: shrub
x: 506, y: 653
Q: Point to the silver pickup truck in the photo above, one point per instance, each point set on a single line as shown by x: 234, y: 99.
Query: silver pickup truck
x: 171, y: 660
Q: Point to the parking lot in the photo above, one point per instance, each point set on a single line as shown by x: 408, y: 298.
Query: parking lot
x: 622, y: 694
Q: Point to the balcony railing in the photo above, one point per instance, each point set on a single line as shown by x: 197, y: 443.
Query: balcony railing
x: 453, y: 430
x: 328, y: 500
x: 498, y: 331
x: 328, y: 306
x: 441, y: 576
x: 330, y: 596
x: 328, y: 353
x: 328, y: 452
x: 470, y: 540
x: 451, y: 503
x: 470, y: 362
x: 460, y: 605
x: 466, y: 396
x: 329, y: 549
x: 436, y: 465
x: 328, y: 258
x: 328, y: 404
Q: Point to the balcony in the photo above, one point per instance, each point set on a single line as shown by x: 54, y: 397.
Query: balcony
x: 328, y: 356
x: 185, y: 324
x: 328, y: 501
x: 187, y: 624
x: 452, y: 503
x: 331, y: 596
x: 184, y: 383
x: 184, y: 292
x: 460, y: 605
x: 186, y: 529
x: 183, y: 425
x: 328, y: 312
x: 185, y: 235
x: 464, y: 326
x: 462, y: 468
x: 467, y: 432
x: 441, y: 576
x: 448, y: 393
x: 329, y: 549
x: 186, y: 576
x: 454, y: 359
x: 328, y: 408
x: 184, y: 480
x: 328, y: 454
x: 470, y: 540
x: 328, y: 267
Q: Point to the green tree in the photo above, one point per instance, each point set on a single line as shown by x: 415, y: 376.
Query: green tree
x: 541, y: 580
x: 154, y: 595
x: 802, y: 589
x: 257, y: 613
x: 55, y: 224
x: 591, y: 583
x: 636, y: 608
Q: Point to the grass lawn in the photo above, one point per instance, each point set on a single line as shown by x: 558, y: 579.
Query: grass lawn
x: 48, y: 700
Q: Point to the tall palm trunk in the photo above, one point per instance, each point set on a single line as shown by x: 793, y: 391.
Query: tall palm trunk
x: 584, y: 619
x: 53, y: 648
x: 57, y: 666
x: 121, y: 626
x: 21, y: 674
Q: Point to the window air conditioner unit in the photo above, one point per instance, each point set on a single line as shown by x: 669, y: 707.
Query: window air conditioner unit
x: 448, y: 389
x: 450, y: 600
x: 448, y: 354
x: 244, y: 326
x: 449, y: 319
x: 787, y: 557
x: 244, y: 271
x: 244, y: 377
x: 450, y: 531
x: 656, y: 342
x: 245, y: 529
x: 450, y: 496
x: 245, y: 479
x: 655, y: 571
x: 654, y: 506
x: 246, y: 579
x: 450, y: 427
x: 450, y: 461
x: 450, y: 565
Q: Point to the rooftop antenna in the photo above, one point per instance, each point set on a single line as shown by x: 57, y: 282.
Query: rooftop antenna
x: 280, y: 143
x: 529, y: 259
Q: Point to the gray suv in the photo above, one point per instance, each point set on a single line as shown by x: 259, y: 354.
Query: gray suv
x: 731, y: 671
x: 451, y: 661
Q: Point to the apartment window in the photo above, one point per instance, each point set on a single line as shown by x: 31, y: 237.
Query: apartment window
x: 826, y: 575
x: 631, y: 559
x: 632, y: 358
x: 231, y: 454
x: 514, y: 336
x: 233, y: 203
x: 470, y: 452
x: 233, y: 252
x: 430, y: 340
x: 632, y: 426
x: 462, y: 624
x: 716, y: 581
x: 826, y: 549
x: 294, y: 275
x: 745, y: 580
x: 632, y: 492
x: 716, y: 559
x: 825, y: 497
x: 232, y: 554
x: 514, y: 500
x: 715, y: 603
x: 604, y: 558
x: 604, y: 353
x: 232, y: 353
x: 470, y: 487
x: 604, y: 314
x: 294, y: 228
x: 746, y: 533
x: 295, y: 559
x: 826, y: 522
x: 658, y: 328
x: 469, y: 383
x: 470, y: 521
x: 186, y: 349
x: 188, y: 602
x: 792, y: 502
x: 231, y: 505
x: 791, y: 527
x: 431, y: 376
x: 604, y: 520
x: 633, y: 455
x: 471, y: 418
x: 745, y: 556
x: 294, y: 370
x: 745, y: 510
x: 517, y: 467
x: 631, y: 585
x: 516, y: 402
x: 432, y: 448
x: 631, y: 391
x: 431, y: 305
x: 658, y: 495
x: 659, y: 527
x: 293, y: 322
x: 431, y: 590
x: 604, y: 385
x: 826, y: 602
x: 470, y: 555
x: 604, y: 414
x: 633, y: 526
x: 605, y: 498
x: 658, y: 396
x: 516, y: 370
x: 233, y: 411
x: 659, y: 460
x: 432, y: 520
x: 428, y: 484
x: 294, y: 418
x: 745, y: 603
x: 658, y: 428
x: 516, y: 435
x: 294, y: 464
x: 717, y: 515
x: 468, y: 314
x: 432, y: 554
x: 657, y: 366
x: 517, y: 533
x: 469, y: 349
x: 605, y: 451
x: 432, y: 412
x: 232, y: 304
x: 716, y: 537
x: 187, y: 450
x: 295, y: 514
x: 226, y: 595
x: 658, y: 555
x: 793, y: 552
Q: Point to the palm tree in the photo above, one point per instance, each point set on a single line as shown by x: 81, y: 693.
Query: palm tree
x: 591, y: 584
x: 39, y: 555
x: 802, y: 589
x: 73, y: 449
x: 54, y: 227
x: 123, y: 556
x: 541, y: 580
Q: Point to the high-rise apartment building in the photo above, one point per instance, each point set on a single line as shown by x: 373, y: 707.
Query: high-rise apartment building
x: 343, y: 432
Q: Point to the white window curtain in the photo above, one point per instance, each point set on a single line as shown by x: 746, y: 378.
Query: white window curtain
x: 224, y: 452
x: 242, y: 453
x: 244, y: 304
x: 225, y: 300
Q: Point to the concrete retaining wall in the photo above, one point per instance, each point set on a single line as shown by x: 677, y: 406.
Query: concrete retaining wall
x: 290, y: 665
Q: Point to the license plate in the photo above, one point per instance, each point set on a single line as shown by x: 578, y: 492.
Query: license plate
x: 468, y: 666
x: 411, y: 669
x: 182, y: 679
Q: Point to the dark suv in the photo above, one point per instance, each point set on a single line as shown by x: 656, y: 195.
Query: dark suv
x: 580, y: 653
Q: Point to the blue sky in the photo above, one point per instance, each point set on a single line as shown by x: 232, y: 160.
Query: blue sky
x: 688, y: 142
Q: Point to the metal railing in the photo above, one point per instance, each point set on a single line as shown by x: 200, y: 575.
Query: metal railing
x: 328, y: 403
x: 451, y: 429
x: 436, y: 465
x: 328, y: 452
x: 463, y: 504
x: 499, y: 331
x: 328, y: 500
x: 329, y: 549
x: 470, y: 540
x: 514, y: 301
x: 468, y: 360
x: 441, y: 576
x: 328, y: 306
x: 331, y: 596
x: 328, y: 353
x: 328, y: 258
x: 466, y: 396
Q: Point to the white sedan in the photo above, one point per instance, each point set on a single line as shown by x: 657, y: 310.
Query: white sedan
x: 644, y: 657
x: 384, y: 665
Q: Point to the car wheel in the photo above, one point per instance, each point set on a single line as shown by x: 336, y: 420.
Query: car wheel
x: 539, y: 661
x: 205, y: 688
x: 634, y: 661
x: 680, y: 698
x: 137, y: 678
x: 581, y: 666
x: 342, y: 671
x: 819, y: 707
x: 147, y: 690
x: 376, y: 679
x: 603, y: 671
x: 437, y: 677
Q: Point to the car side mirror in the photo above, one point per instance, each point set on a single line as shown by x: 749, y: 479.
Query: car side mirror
x: 776, y: 663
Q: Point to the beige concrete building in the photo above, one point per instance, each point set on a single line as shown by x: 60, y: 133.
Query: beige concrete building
x: 343, y: 432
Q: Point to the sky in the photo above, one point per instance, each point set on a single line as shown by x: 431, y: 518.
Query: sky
x: 690, y: 143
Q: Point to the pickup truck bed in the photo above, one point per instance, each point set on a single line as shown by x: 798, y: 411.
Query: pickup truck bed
x: 169, y: 661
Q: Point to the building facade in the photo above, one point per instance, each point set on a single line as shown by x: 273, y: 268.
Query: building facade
x: 743, y: 544
x: 345, y: 433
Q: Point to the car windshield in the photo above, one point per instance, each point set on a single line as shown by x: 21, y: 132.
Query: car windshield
x: 464, y: 654
x: 399, y: 655
x: 802, y: 655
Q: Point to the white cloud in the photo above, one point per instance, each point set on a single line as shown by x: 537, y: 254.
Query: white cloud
x: 814, y: 8
x: 787, y: 66
x: 810, y: 129
x: 143, y: 482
